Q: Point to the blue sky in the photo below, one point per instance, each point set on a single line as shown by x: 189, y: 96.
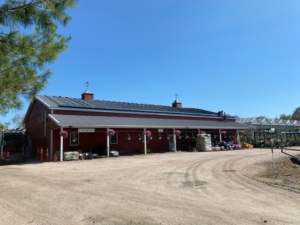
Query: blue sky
x: 238, y: 56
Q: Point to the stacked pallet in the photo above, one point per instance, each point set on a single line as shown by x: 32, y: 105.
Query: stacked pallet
x: 68, y: 156
x: 246, y: 145
x: 203, y: 142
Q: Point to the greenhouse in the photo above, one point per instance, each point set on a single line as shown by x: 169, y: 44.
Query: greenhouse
x: 282, y: 132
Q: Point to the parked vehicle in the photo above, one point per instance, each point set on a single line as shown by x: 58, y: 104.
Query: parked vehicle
x: 14, y: 145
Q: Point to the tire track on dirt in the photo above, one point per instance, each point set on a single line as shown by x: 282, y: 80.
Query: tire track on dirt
x: 198, y: 178
x: 230, y: 171
x: 224, y: 176
x: 238, y: 175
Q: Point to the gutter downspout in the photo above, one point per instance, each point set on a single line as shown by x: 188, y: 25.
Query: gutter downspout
x: 51, y: 138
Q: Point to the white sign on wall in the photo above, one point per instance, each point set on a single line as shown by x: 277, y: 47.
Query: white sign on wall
x: 160, y: 130
x: 86, y: 130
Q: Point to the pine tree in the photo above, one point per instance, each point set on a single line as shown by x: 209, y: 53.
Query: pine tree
x: 29, y: 42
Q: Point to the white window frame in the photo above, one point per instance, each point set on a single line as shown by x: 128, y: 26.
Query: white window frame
x: 77, y: 136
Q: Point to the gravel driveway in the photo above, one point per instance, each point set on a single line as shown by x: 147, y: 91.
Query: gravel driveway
x: 171, y: 188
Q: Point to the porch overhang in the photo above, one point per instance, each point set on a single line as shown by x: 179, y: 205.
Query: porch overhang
x: 129, y: 122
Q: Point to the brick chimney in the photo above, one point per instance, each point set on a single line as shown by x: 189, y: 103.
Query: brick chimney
x: 87, y: 95
x: 176, y: 104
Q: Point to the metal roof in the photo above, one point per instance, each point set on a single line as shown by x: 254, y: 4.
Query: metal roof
x: 53, y: 102
x: 268, y: 121
x: 128, y: 122
x: 87, y: 91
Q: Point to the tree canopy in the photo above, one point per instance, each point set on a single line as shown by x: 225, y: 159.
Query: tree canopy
x: 296, y: 114
x: 29, y: 42
x: 16, y: 121
x: 285, y: 117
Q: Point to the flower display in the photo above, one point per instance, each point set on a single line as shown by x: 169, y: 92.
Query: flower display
x: 223, y: 132
x: 202, y: 132
x: 148, y: 133
x: 177, y: 132
x: 110, y: 132
x: 64, y: 134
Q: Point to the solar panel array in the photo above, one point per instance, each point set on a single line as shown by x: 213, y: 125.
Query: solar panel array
x: 120, y: 106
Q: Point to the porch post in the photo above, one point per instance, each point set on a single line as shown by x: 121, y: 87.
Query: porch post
x: 61, y: 145
x: 107, y: 143
x: 174, y: 140
x: 238, y: 137
x: 220, y: 135
x: 199, y: 131
x: 145, y: 142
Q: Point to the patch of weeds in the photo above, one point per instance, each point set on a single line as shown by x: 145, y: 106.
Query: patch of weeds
x: 287, y: 171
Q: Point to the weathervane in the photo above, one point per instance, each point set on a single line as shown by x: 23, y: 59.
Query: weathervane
x: 87, y: 84
x: 176, y: 95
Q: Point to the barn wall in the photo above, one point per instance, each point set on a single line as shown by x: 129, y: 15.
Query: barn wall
x: 37, y: 126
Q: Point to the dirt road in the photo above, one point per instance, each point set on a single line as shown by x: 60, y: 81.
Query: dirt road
x: 171, y: 188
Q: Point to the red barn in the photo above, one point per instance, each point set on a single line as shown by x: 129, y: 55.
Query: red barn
x: 96, y: 125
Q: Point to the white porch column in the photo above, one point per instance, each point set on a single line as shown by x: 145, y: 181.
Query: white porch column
x: 199, y: 131
x: 51, y: 145
x: 145, y: 142
x: 238, y: 137
x: 61, y: 145
x: 107, y: 143
x: 220, y: 135
x: 174, y: 140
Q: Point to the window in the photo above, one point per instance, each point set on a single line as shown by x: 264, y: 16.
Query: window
x: 74, y: 139
x: 114, y: 139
